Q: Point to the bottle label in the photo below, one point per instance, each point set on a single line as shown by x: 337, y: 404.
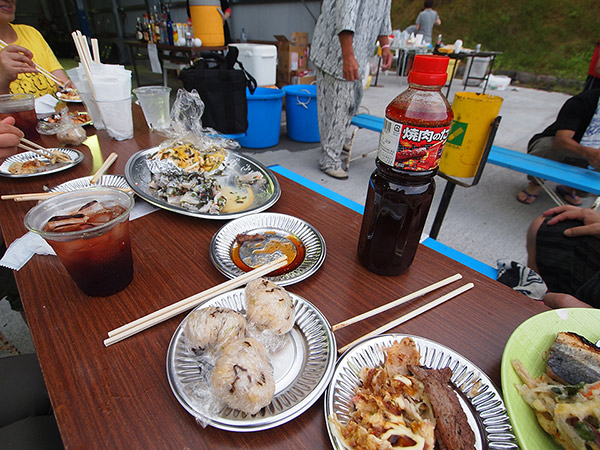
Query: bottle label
x: 409, y: 147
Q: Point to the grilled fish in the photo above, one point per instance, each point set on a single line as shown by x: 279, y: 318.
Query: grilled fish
x: 573, y: 359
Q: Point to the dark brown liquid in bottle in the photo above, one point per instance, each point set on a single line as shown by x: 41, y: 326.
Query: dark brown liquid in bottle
x: 395, y: 213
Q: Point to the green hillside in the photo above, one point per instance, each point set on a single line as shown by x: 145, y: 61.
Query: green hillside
x: 549, y: 37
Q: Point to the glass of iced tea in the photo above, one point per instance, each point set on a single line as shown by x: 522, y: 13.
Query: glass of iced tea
x: 22, y: 108
x: 89, y: 231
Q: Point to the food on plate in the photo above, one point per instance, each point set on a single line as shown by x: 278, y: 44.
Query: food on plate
x: 243, y: 376
x: 199, y: 180
x: 569, y: 412
x: 78, y: 118
x: 69, y: 94
x: 214, y: 327
x: 269, y: 306
x: 401, y: 405
x: 253, y: 250
x: 92, y: 214
x: 573, y: 359
x: 36, y: 165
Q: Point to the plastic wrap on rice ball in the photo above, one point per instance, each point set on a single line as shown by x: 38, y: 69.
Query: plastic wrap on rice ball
x: 214, y: 327
x: 243, y: 376
x: 269, y: 306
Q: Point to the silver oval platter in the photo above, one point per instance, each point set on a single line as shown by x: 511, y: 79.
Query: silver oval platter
x: 302, y: 367
x: 75, y: 155
x: 479, y: 398
x: 138, y: 175
x: 280, y: 231
x: 115, y: 181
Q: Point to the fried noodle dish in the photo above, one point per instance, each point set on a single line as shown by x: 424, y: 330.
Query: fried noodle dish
x: 566, y: 399
x: 402, y: 405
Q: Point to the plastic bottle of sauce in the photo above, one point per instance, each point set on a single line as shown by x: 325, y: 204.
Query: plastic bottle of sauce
x: 401, y: 188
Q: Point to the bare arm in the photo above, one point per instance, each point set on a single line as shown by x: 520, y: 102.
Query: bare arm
x: 556, y: 300
x: 13, y: 61
x: 564, y: 141
x: 9, y: 137
x: 386, y: 53
x: 351, y: 69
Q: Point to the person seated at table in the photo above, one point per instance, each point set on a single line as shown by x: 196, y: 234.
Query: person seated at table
x: 563, y: 247
x: 426, y: 20
x: 26, y: 418
x: 573, y: 138
x: 26, y: 48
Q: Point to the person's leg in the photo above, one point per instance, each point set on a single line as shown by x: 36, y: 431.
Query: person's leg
x: 336, y: 104
x: 531, y: 243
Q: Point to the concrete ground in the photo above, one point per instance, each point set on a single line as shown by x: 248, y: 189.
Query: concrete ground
x: 484, y: 221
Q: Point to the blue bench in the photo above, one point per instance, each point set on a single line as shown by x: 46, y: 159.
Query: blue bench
x: 428, y: 242
x: 576, y: 177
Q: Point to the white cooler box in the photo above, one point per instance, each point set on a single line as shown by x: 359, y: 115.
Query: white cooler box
x: 260, y: 60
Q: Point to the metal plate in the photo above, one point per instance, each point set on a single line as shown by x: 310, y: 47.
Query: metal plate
x: 479, y: 398
x: 116, y: 181
x: 302, y: 369
x: 138, y: 176
x: 75, y: 155
x: 222, y: 244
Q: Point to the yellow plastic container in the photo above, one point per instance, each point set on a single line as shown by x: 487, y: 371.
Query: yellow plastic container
x: 452, y: 66
x: 207, y: 22
x: 473, y: 116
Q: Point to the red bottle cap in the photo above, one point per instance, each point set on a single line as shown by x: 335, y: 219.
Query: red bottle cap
x: 429, y: 70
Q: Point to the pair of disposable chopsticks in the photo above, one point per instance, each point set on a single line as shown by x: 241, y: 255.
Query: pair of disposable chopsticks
x: 104, y: 167
x: 41, y: 69
x: 35, y: 196
x: 42, y: 151
x: 145, y: 322
x: 400, y: 301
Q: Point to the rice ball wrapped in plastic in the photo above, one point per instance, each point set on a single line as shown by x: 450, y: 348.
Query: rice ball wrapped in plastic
x: 214, y: 327
x: 243, y: 376
x: 269, y: 306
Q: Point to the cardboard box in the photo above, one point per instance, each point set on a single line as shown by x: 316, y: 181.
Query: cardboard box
x: 293, y: 56
x: 303, y: 77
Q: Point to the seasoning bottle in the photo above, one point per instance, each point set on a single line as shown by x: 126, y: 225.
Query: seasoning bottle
x: 401, y: 188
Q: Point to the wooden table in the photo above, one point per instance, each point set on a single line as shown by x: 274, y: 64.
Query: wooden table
x: 119, y: 397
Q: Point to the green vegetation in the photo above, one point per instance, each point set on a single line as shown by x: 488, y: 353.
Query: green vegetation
x: 541, y: 37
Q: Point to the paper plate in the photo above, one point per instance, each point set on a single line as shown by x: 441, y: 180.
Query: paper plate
x: 76, y: 157
x: 529, y: 342
x: 479, y: 398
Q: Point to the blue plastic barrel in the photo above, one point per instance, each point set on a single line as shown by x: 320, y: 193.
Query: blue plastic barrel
x: 301, y: 112
x: 264, y: 118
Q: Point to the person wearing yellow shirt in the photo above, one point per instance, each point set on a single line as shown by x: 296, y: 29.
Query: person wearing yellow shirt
x: 26, y: 48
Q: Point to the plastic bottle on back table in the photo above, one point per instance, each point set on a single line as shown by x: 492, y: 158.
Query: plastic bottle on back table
x: 401, y: 188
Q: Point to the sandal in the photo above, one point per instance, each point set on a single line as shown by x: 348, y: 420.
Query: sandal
x: 529, y: 198
x: 569, y: 195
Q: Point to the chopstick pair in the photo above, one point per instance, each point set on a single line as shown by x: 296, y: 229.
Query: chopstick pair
x: 400, y: 301
x: 43, y: 195
x: 44, y: 72
x: 42, y: 151
x: 149, y: 320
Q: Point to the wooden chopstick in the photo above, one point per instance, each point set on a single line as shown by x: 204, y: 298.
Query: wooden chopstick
x: 397, y: 302
x: 134, y: 327
x: 104, y: 167
x: 59, y: 154
x: 43, y: 195
x: 44, y: 72
x: 42, y: 152
x: 410, y: 315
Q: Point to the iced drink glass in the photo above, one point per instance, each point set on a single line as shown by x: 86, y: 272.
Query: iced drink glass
x: 154, y: 101
x: 22, y: 108
x: 89, y: 231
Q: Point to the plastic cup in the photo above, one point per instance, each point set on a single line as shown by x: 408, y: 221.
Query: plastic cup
x: 154, y: 101
x: 22, y: 108
x: 117, y: 117
x: 98, y: 259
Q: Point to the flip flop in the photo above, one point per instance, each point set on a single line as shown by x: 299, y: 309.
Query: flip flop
x: 569, y: 195
x: 529, y: 198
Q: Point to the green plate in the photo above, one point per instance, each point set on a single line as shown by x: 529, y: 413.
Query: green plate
x: 529, y: 343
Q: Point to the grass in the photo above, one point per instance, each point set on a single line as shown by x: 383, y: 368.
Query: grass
x: 542, y: 37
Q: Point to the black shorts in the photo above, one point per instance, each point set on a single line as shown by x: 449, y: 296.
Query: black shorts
x: 569, y: 265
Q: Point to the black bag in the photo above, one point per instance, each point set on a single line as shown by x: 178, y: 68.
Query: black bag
x: 222, y: 89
